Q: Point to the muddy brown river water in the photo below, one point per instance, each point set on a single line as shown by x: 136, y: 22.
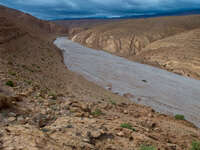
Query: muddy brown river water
x: 164, y: 91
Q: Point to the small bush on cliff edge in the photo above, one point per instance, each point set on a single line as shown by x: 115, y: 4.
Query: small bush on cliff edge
x: 195, y: 145
x: 179, y: 117
x: 127, y: 126
x: 97, y: 112
x: 10, y: 83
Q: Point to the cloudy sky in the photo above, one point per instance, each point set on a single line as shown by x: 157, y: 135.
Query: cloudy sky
x: 58, y: 9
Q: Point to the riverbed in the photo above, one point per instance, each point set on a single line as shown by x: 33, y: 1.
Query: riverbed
x: 164, y: 91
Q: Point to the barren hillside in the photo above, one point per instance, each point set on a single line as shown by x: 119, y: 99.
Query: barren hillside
x: 45, y: 106
x: 179, y: 53
x: 77, y: 26
x: 131, y: 38
x: 27, y: 21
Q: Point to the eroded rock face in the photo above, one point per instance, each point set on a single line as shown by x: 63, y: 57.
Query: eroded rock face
x: 125, y: 45
x: 129, y: 37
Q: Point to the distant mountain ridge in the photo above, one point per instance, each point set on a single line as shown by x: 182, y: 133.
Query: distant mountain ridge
x: 138, y: 15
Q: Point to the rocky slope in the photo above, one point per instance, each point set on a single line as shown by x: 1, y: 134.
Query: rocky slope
x: 179, y: 53
x: 130, y: 38
x: 45, y: 106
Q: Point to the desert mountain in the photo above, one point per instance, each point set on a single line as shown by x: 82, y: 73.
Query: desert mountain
x: 135, y: 38
x: 45, y: 106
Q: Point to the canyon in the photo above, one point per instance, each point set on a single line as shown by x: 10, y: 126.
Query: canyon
x: 170, y: 43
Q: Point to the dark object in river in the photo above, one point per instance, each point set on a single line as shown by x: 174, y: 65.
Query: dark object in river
x: 144, y: 81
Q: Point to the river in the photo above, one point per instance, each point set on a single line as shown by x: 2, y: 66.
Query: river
x: 164, y: 91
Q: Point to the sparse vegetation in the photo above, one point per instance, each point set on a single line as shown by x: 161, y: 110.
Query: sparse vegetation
x: 10, y: 83
x: 195, y: 145
x: 144, y: 147
x: 12, y: 73
x: 127, y: 126
x: 45, y: 130
x: 97, y: 112
x: 112, y: 102
x: 179, y: 117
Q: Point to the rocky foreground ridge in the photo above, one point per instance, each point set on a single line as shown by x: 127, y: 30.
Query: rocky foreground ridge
x: 45, y: 106
x: 134, y: 38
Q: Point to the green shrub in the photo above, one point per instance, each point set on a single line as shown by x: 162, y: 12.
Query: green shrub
x: 127, y: 126
x: 45, y: 130
x: 97, y: 112
x: 10, y: 83
x: 12, y: 73
x: 195, y: 145
x: 143, y: 147
x: 112, y: 102
x: 179, y: 117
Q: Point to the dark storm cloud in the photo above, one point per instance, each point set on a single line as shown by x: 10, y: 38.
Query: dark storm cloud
x: 57, y: 9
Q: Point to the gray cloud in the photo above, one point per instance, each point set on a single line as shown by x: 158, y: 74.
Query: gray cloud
x: 57, y: 9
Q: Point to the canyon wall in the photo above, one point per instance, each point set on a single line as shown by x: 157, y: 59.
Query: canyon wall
x: 135, y: 39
